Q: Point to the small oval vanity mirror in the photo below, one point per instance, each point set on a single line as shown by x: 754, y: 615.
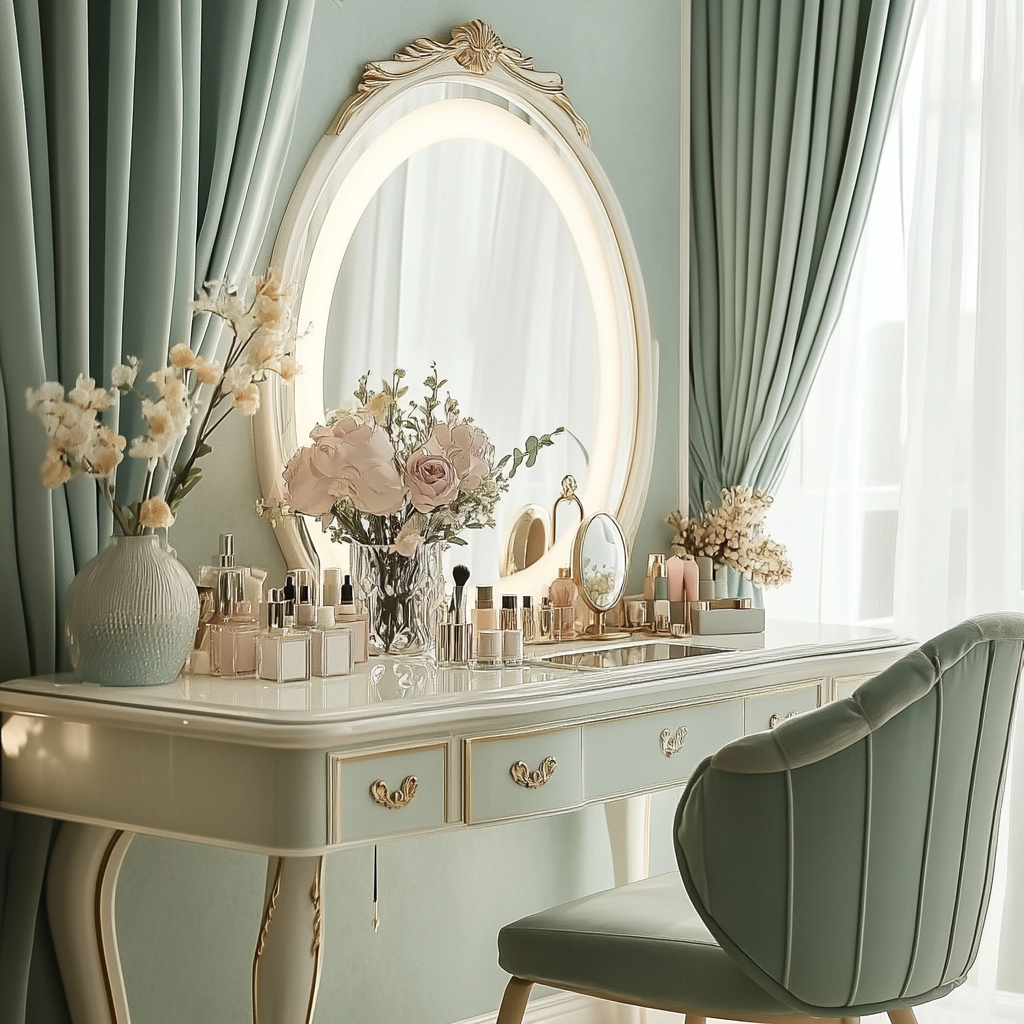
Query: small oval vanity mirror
x: 600, y: 565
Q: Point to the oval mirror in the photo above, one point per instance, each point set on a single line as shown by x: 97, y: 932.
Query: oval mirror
x: 455, y: 213
x: 600, y: 566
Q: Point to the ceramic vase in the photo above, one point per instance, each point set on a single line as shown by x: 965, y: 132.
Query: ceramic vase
x: 400, y: 596
x: 132, y: 614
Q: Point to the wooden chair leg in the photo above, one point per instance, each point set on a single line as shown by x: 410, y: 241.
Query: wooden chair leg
x: 513, y: 1002
x: 693, y: 1018
x: 902, y: 1017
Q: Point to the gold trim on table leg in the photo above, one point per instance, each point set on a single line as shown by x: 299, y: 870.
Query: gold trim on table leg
x: 513, y: 1002
x: 261, y: 942
x: 318, y: 920
x: 98, y: 920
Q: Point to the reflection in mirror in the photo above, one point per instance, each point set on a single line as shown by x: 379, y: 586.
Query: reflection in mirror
x: 525, y: 539
x: 600, y: 567
x: 464, y: 257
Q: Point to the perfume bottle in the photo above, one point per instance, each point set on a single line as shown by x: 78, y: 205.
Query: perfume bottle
x: 490, y: 648
x: 346, y: 613
x: 655, y: 568
x: 283, y: 653
x: 546, y: 619
x: 509, y: 618
x: 529, y: 620
x: 296, y: 579
x: 563, y: 597
x: 331, y: 645
x: 484, y: 615
x: 305, y: 610
x: 252, y: 578
x: 233, y: 642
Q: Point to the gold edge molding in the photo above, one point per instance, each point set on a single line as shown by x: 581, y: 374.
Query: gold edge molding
x: 315, y: 898
x: 101, y: 948
x: 478, y: 49
x: 261, y: 941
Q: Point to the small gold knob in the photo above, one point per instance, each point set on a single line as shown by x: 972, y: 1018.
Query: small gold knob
x: 522, y: 776
x: 672, y: 742
x: 397, y: 799
x: 777, y: 719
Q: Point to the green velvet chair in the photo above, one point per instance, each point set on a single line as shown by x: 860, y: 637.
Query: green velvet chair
x: 839, y: 865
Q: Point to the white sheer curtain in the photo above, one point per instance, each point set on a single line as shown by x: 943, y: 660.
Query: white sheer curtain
x: 903, y: 503
x: 464, y: 257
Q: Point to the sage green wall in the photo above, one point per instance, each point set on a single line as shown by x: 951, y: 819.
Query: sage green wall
x: 187, y: 915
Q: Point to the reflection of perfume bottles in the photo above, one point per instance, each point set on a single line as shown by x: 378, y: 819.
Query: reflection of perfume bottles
x: 545, y: 619
x: 346, y: 613
x: 529, y: 620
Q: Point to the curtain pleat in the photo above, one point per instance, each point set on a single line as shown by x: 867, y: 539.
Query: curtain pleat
x: 789, y: 104
x: 143, y: 147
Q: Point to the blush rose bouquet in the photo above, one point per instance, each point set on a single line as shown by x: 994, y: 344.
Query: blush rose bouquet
x: 391, y: 471
x: 399, y: 479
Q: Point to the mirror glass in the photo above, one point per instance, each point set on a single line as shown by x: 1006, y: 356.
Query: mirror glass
x: 463, y: 256
x: 601, y: 561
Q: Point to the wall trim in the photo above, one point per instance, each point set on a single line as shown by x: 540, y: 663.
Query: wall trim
x: 560, y: 1008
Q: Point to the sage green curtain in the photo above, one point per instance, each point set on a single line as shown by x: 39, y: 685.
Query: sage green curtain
x: 790, y: 100
x: 142, y: 146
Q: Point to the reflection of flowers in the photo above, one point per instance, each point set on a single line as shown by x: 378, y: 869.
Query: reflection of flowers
x: 598, y: 581
x: 733, y: 535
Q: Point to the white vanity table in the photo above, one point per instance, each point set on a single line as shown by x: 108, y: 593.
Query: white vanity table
x: 296, y: 770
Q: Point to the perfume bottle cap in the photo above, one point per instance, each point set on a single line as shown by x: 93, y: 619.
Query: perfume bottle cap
x: 509, y: 601
x: 276, y: 606
x: 527, y: 601
x: 545, y: 601
x: 653, y: 561
x: 484, y: 597
x: 325, y: 615
x: 347, y: 593
x: 226, y: 557
x: 304, y: 595
x: 331, y: 590
x: 565, y: 574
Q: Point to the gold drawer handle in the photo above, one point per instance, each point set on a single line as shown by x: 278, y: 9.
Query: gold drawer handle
x: 399, y: 798
x: 672, y: 742
x: 777, y: 719
x: 522, y: 776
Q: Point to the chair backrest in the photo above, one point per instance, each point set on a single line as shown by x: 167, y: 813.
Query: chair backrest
x: 845, y: 859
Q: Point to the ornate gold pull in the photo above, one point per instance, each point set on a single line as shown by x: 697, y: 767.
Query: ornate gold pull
x: 777, y: 719
x: 399, y: 798
x: 672, y: 742
x: 522, y: 776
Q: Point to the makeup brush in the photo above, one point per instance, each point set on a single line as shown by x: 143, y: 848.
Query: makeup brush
x: 461, y: 575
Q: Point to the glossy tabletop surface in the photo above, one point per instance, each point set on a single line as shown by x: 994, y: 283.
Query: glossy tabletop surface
x: 384, y: 687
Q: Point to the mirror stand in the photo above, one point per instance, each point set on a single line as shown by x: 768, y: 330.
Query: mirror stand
x: 597, y: 631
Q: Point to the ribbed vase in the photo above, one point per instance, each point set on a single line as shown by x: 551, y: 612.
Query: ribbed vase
x: 132, y: 614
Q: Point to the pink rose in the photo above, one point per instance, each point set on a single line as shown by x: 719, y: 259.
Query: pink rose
x: 308, y: 489
x: 431, y: 479
x: 467, y: 448
x: 351, y: 459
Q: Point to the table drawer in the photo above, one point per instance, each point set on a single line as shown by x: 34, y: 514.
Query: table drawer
x: 383, y: 793
x: 652, y: 750
x: 843, y: 686
x: 760, y: 713
x: 510, y: 776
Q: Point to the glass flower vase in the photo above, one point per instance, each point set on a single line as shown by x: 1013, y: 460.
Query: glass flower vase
x: 400, y: 596
x: 132, y: 614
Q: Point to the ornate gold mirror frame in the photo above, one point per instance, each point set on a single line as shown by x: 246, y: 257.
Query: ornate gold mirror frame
x: 539, y: 126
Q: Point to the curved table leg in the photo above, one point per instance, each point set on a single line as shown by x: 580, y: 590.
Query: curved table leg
x: 80, y: 889
x: 287, y: 961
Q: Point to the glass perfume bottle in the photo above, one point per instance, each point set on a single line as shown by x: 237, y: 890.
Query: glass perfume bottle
x: 233, y: 642
x: 347, y: 613
x: 331, y: 645
x: 283, y: 653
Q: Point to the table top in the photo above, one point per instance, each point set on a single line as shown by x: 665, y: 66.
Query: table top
x: 387, y: 689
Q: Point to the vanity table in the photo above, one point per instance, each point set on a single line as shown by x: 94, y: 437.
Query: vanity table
x: 296, y: 770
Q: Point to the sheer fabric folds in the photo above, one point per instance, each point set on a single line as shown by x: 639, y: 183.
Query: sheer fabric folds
x: 789, y: 104
x: 142, y: 146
